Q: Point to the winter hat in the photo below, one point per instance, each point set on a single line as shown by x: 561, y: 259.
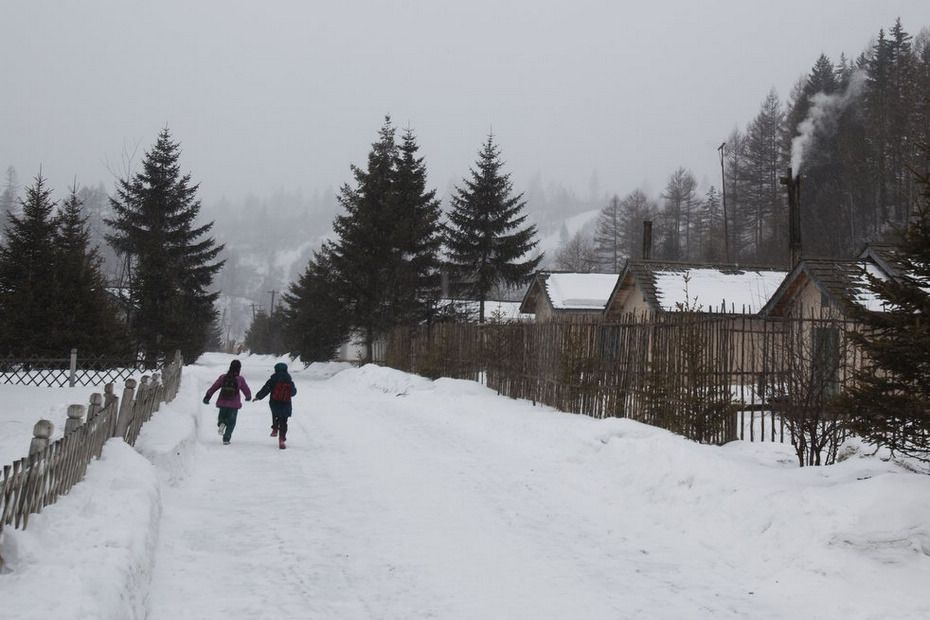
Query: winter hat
x: 280, y: 367
x: 234, y: 367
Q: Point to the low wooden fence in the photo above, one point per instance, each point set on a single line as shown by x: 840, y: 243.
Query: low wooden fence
x: 712, y: 378
x: 76, y: 369
x: 51, y: 469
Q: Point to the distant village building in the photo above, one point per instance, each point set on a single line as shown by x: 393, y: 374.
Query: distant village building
x: 555, y: 295
x: 494, y: 311
x: 819, y: 287
x: 651, y: 287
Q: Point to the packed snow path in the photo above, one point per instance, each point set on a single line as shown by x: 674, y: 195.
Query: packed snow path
x: 403, y: 498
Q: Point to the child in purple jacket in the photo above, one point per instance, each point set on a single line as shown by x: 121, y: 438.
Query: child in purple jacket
x: 229, y: 385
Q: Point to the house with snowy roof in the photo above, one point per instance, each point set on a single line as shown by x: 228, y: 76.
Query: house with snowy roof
x: 819, y: 286
x: 554, y: 295
x: 494, y: 311
x: 652, y: 287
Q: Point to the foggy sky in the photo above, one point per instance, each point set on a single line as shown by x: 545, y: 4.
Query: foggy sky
x: 288, y: 94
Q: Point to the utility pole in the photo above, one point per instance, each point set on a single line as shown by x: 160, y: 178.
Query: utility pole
x: 272, y: 302
x: 723, y: 190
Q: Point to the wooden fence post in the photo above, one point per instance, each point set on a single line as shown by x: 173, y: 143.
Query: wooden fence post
x: 72, y: 375
x: 75, y: 417
x: 40, y: 436
x: 96, y: 404
x: 125, y: 409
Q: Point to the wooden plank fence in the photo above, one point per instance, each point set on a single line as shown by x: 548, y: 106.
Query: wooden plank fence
x: 710, y: 377
x: 51, y: 469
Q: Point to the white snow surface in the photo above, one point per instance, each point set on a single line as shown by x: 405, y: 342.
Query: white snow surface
x: 865, y: 297
x: 22, y: 406
x: 401, y: 497
x: 580, y: 291
x: 709, y: 289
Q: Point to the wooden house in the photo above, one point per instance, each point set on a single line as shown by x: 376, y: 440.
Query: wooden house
x: 652, y: 287
x: 555, y: 295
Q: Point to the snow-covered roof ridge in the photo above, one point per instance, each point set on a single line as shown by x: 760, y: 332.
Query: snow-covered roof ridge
x: 711, y: 288
x: 580, y: 291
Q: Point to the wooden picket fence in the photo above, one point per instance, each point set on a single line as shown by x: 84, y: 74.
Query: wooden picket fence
x: 710, y: 377
x: 36, y: 481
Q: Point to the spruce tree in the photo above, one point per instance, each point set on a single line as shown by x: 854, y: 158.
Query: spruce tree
x: 88, y: 315
x: 386, y: 255
x: 8, y: 196
x: 362, y: 254
x: 890, y: 400
x: 486, y: 235
x: 417, y: 237
x: 172, y: 259
x: 265, y: 336
x: 29, y: 304
x: 315, y: 324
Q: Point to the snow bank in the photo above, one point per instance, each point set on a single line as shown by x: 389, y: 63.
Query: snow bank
x: 382, y: 379
x: 169, y: 439
x: 90, y: 554
x: 322, y: 370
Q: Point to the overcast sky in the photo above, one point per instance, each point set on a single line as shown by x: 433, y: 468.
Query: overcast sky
x: 275, y: 94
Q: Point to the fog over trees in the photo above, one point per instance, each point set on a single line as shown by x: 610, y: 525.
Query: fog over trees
x: 849, y: 127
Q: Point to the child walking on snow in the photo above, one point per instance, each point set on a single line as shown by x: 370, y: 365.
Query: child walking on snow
x: 281, y: 388
x: 229, y: 385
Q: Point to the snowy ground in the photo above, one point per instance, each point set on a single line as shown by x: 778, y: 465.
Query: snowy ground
x: 404, y: 498
x: 23, y: 406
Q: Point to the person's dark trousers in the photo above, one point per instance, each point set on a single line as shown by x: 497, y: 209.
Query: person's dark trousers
x: 228, y: 417
x: 280, y: 423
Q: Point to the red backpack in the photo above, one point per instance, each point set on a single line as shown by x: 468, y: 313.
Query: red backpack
x: 281, y: 392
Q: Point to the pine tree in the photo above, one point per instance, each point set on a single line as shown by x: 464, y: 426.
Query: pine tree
x: 363, y: 255
x: 315, y: 324
x: 577, y: 255
x: 635, y: 208
x: 265, y: 336
x: 486, y: 234
x: 8, y: 196
x: 417, y: 237
x: 890, y: 400
x: 172, y: 259
x: 88, y: 315
x: 28, y: 277
x: 765, y: 164
x: 607, y: 236
x: 711, y: 228
x: 676, y: 214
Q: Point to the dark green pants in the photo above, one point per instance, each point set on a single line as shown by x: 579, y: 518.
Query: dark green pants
x: 228, y: 417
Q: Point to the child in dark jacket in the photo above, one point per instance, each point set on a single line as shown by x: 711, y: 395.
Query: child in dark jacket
x: 230, y: 385
x: 281, y: 389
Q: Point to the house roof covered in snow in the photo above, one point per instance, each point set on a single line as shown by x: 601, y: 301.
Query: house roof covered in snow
x: 840, y: 281
x: 502, y: 311
x: 718, y: 288
x: 885, y: 256
x: 572, y: 292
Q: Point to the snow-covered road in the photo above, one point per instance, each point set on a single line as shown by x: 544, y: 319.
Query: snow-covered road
x: 401, y: 497
x: 404, y: 498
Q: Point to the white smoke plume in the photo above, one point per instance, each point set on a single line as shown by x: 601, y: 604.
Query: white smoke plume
x: 821, y: 118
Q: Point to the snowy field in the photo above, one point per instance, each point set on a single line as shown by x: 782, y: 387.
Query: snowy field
x: 401, y: 497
